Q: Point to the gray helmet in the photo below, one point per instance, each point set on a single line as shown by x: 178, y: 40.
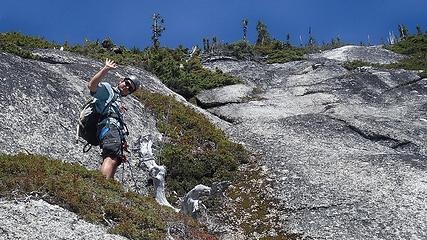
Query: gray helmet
x: 134, y: 81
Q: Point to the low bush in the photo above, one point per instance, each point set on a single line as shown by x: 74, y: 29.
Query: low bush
x: 351, y: 65
x: 174, y: 67
x: 86, y: 193
x: 272, y: 52
x: 196, y: 152
x: 181, y: 73
x: 21, y: 45
x: 415, y: 48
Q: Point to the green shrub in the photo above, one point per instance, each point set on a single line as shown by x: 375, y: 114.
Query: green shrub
x: 411, y: 45
x: 21, y: 45
x: 286, y: 55
x: 415, y: 48
x: 241, y: 50
x: 274, y: 51
x: 351, y: 65
x: 88, y: 194
x: 185, y: 76
x: 27, y: 42
x: 197, y: 151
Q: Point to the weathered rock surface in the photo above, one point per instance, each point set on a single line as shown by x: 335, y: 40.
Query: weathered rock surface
x: 228, y: 94
x: 373, y: 54
x: 40, y: 103
x: 345, y: 151
x: 37, y: 219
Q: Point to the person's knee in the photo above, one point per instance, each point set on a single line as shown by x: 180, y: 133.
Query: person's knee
x: 109, y: 167
x: 113, y: 160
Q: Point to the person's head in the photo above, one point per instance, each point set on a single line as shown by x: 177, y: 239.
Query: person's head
x: 128, y: 85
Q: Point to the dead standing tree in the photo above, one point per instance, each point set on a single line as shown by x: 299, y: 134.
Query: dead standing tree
x: 263, y: 35
x: 157, y: 28
x: 245, y: 29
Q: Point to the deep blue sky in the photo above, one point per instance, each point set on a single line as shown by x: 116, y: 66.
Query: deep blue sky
x: 128, y: 22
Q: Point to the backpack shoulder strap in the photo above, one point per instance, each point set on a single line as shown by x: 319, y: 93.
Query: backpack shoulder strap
x: 110, y: 101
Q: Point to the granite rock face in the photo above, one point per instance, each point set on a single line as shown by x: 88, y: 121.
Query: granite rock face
x: 372, y: 54
x: 224, y: 95
x: 37, y: 219
x: 40, y: 103
x: 345, y: 150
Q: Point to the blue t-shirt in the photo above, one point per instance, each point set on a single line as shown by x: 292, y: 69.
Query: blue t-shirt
x: 103, y: 96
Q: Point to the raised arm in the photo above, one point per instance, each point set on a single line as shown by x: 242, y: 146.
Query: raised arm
x: 94, y: 81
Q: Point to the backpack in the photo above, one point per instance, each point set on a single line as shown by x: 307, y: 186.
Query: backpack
x: 88, y: 124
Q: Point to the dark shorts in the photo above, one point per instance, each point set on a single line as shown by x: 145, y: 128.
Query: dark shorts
x: 110, y: 141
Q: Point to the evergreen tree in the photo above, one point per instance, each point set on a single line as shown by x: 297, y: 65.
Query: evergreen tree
x: 403, y: 30
x: 205, y: 47
x: 245, y: 29
x: 311, y: 41
x: 107, y: 43
x: 336, y: 42
x: 66, y: 45
x: 157, y: 28
x: 419, y: 31
x: 214, y: 44
x: 263, y: 35
x: 288, y: 39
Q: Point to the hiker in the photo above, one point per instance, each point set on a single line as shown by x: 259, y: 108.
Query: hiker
x: 111, y: 129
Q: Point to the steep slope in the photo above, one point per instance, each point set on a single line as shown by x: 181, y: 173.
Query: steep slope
x: 345, y: 151
x: 40, y: 102
x: 19, y: 221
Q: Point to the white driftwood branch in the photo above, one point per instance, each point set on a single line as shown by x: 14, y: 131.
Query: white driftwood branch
x: 191, y: 204
x: 157, y: 173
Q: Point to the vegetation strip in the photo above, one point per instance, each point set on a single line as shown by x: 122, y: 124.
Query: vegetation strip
x: 415, y: 47
x: 174, y: 67
x: 88, y: 194
x: 196, y: 151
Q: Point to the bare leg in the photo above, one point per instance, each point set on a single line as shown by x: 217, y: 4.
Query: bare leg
x: 109, y: 167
